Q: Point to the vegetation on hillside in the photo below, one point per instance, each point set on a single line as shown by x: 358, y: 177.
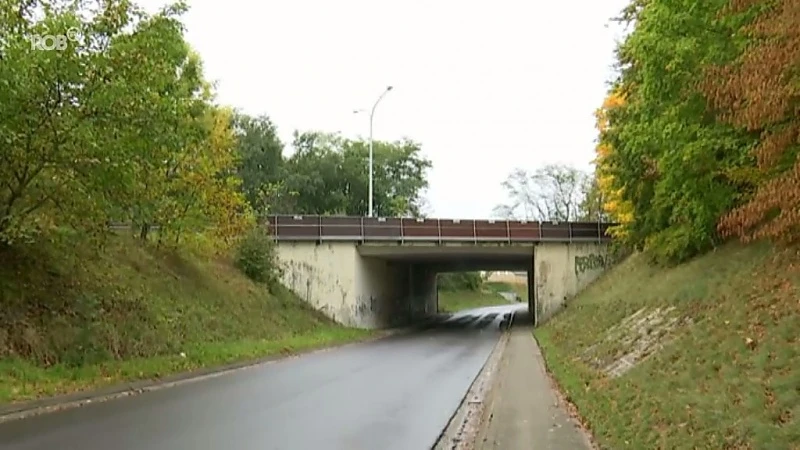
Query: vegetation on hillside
x: 467, y: 290
x: 76, y: 317
x: 698, y: 145
x: 454, y: 301
x: 130, y: 203
x: 699, y: 134
x: 518, y: 289
x: 715, y: 347
x: 121, y: 127
x: 459, y: 281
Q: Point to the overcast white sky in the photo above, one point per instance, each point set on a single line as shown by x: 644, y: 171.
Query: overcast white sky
x: 483, y: 88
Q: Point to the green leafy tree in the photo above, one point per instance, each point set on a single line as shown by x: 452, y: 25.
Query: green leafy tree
x: 329, y: 174
x: 93, y: 132
x: 400, y: 177
x: 672, y: 160
x: 261, y: 162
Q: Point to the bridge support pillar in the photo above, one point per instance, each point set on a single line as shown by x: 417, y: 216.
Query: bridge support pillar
x: 561, y: 270
x: 422, y: 292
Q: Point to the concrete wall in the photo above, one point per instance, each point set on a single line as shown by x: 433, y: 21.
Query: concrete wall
x: 354, y: 290
x: 323, y: 275
x: 562, y: 270
x: 423, y: 296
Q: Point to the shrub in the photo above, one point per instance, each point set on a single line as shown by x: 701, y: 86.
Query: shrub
x: 459, y: 281
x: 256, y: 257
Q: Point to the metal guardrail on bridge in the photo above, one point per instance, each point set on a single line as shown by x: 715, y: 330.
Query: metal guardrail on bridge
x: 347, y: 228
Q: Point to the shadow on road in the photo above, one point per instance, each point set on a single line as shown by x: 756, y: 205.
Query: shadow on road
x: 464, y: 322
x: 523, y: 319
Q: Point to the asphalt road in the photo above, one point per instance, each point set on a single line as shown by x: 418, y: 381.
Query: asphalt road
x: 396, y: 393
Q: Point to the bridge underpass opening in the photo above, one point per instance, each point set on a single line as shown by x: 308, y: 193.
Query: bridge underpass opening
x: 421, y: 264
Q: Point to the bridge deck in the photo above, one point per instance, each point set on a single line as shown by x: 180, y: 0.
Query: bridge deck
x: 359, y: 229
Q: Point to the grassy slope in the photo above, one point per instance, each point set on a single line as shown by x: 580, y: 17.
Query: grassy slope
x: 520, y: 289
x: 708, y: 388
x: 453, y: 301
x: 72, y: 319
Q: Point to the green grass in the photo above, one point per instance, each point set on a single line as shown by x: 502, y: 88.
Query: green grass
x: 454, y: 301
x: 730, y: 378
x: 73, y: 318
x: 520, y: 289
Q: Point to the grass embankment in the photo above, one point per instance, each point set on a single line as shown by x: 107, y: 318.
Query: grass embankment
x: 454, y: 301
x: 521, y: 289
x: 730, y: 376
x: 74, y: 319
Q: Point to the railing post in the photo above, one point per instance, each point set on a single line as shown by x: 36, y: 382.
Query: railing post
x: 319, y: 228
x: 402, y: 232
x: 569, y: 231
x: 474, y: 231
x: 508, y: 231
x: 363, y: 233
x: 541, y: 236
x: 439, y: 230
x: 599, y: 237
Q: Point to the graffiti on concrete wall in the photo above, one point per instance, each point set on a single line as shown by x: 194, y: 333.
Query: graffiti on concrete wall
x: 593, y: 261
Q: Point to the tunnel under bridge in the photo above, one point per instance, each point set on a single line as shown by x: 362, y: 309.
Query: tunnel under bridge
x: 381, y: 272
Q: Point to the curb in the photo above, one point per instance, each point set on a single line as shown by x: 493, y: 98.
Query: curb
x: 31, y: 408
x: 491, y: 394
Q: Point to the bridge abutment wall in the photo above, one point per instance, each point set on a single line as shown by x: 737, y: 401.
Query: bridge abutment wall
x: 355, y: 290
x: 561, y: 270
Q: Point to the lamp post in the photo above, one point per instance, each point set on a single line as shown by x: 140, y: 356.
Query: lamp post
x: 371, y: 116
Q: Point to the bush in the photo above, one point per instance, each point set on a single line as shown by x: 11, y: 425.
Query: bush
x: 256, y: 257
x: 459, y: 281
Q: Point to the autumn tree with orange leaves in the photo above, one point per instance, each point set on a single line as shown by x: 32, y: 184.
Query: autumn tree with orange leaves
x: 760, y: 93
x: 705, y: 144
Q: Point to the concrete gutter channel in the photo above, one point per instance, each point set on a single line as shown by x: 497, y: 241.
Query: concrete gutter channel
x: 467, y: 426
x: 22, y: 410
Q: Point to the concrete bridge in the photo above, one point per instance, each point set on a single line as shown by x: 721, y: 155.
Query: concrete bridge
x: 381, y: 272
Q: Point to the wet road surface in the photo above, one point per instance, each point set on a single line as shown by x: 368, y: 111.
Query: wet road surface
x: 396, y: 393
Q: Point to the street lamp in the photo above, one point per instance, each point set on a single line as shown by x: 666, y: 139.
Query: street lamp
x: 371, y: 115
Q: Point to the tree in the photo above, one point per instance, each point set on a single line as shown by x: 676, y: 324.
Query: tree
x: 261, y: 165
x: 592, y: 206
x: 400, y: 177
x: 117, y: 126
x: 606, y: 191
x: 329, y: 174
x: 760, y: 93
x: 178, y: 129
x: 90, y: 132
x: 206, y: 191
x: 315, y: 179
x: 554, y: 192
x: 673, y: 163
